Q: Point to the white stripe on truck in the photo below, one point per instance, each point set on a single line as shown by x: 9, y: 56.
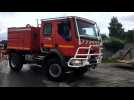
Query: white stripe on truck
x: 25, y: 29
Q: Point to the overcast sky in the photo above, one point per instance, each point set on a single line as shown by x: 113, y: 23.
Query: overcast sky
x: 16, y: 19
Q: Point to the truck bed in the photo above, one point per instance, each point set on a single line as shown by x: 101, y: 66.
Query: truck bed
x: 23, y: 38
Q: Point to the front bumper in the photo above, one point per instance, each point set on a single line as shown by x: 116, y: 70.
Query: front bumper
x: 82, y: 62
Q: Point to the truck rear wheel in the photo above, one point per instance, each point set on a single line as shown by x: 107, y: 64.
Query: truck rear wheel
x: 54, y: 70
x: 16, y: 62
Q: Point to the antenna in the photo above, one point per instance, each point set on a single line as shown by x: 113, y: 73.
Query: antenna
x: 37, y: 22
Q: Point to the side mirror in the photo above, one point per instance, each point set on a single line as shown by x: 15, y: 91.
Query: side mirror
x: 98, y: 31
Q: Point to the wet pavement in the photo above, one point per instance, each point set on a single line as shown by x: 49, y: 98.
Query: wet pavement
x: 106, y: 75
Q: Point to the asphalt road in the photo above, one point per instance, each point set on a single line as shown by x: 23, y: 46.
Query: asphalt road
x: 105, y: 75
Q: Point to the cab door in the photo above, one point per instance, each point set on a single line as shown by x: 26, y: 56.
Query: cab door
x: 46, y: 34
x: 65, y: 38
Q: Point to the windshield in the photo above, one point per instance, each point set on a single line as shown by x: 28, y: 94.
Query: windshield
x: 86, y: 29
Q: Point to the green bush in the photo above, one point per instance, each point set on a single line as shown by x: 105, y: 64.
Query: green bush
x: 129, y: 36
x: 114, y: 44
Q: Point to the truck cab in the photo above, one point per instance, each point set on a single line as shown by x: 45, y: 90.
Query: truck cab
x: 74, y: 37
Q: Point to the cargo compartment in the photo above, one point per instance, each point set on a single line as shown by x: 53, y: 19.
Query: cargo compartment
x: 23, y: 38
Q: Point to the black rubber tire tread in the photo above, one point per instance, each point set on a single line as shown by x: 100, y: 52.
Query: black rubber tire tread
x: 19, y: 64
x: 55, y: 61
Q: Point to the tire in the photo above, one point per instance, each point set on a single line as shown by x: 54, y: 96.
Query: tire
x: 16, y: 62
x: 54, y: 70
x: 80, y: 71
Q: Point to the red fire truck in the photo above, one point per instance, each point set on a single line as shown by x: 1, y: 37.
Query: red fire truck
x: 59, y: 45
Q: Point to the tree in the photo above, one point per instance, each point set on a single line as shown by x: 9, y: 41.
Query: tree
x: 115, y: 28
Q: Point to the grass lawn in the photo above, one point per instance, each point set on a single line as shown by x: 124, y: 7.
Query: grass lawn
x: 110, y: 61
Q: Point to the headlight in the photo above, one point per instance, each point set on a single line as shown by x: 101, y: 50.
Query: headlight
x: 76, y: 62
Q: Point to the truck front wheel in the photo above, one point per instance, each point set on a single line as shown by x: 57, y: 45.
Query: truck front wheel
x: 54, y: 70
x: 16, y: 62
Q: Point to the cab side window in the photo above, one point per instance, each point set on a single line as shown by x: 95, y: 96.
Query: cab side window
x: 47, y: 29
x: 63, y: 30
